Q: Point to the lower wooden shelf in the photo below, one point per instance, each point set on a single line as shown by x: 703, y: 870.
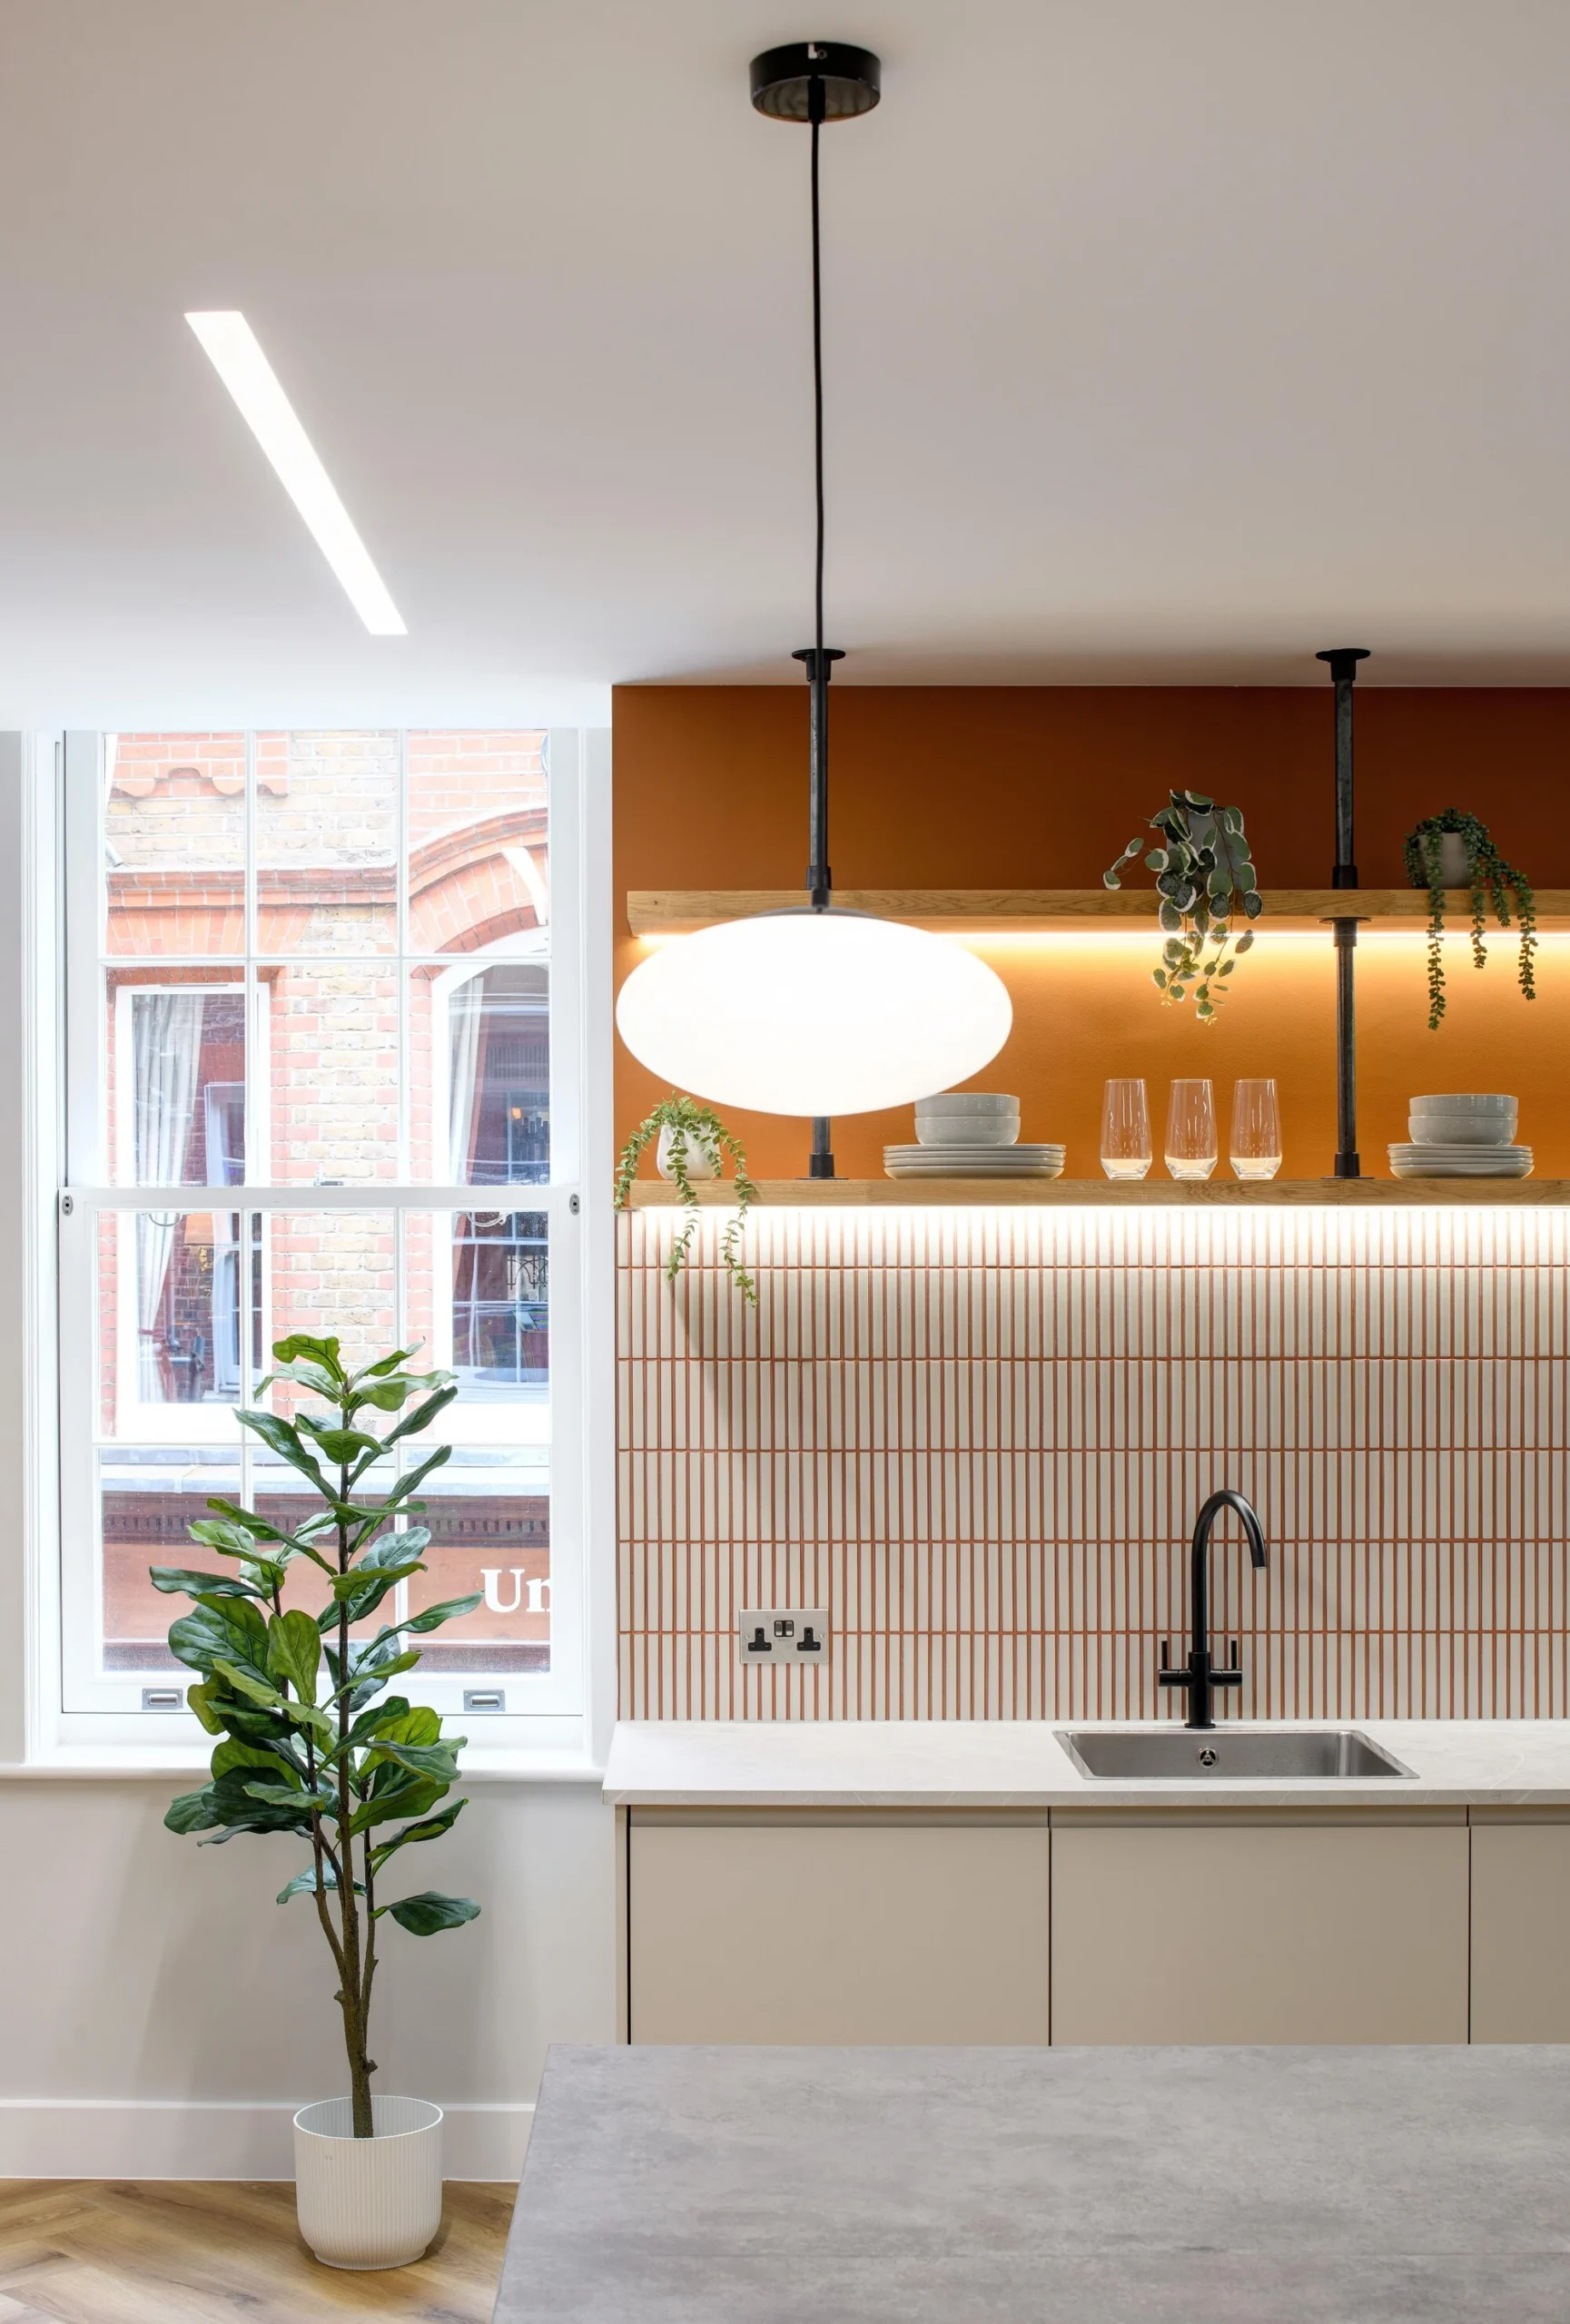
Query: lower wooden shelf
x: 1101, y: 1193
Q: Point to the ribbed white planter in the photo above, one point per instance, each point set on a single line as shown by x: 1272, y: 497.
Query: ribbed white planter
x: 372, y: 2202
x: 700, y: 1163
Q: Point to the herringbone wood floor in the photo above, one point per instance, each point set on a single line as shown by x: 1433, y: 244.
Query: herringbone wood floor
x: 187, y: 2251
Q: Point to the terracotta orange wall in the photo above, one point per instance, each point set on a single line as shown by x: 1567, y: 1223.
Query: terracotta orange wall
x: 1042, y: 787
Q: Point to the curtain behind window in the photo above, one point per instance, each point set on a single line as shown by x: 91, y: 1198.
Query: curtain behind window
x: 166, y: 1045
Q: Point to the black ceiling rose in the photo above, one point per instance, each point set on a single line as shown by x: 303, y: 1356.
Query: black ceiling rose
x: 783, y: 79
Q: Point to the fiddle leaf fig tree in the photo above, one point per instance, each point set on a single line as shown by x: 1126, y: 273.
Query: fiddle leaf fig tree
x: 1205, y: 880
x: 309, y: 1742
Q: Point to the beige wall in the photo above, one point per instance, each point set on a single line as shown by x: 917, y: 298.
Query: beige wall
x: 141, y: 1971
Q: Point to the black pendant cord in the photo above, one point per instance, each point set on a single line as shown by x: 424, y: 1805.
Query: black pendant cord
x: 815, y: 81
x: 818, y: 659
x: 1343, y: 660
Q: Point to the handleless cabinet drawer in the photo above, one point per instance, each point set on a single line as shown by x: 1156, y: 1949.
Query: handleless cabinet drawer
x: 838, y: 1931
x: 1272, y: 1932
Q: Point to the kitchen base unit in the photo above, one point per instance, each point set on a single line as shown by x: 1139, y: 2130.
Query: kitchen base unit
x: 1520, y: 1914
x: 837, y: 1928
x: 1297, y: 1926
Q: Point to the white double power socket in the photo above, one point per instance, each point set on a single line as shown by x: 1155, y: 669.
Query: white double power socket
x: 770, y: 1635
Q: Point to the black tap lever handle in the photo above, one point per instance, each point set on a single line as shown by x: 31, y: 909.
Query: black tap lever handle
x: 1172, y: 1678
x: 1226, y: 1678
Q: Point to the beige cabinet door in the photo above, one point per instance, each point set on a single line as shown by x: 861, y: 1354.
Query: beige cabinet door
x: 1520, y: 1932
x: 1229, y: 1932
x: 837, y: 1932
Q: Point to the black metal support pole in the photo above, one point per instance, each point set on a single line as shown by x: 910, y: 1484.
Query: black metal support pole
x: 1343, y: 660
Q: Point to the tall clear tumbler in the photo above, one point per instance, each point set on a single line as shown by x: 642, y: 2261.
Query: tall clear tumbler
x: 1190, y: 1149
x: 1254, y: 1145
x: 1126, y: 1146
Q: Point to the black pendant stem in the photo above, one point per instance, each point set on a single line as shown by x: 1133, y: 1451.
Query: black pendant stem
x: 1343, y: 660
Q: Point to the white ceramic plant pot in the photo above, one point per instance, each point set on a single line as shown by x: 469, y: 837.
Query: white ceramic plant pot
x: 372, y: 2202
x: 700, y: 1163
x: 1454, y: 869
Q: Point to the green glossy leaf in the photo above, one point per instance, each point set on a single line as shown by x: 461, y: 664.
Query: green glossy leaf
x: 357, y: 1593
x: 284, y: 1795
x: 324, y: 1352
x: 178, y: 1578
x: 236, y: 1541
x: 341, y: 1446
x: 449, y: 1610
x: 192, y: 1812
x: 427, y: 1913
x: 281, y: 1438
x: 294, y: 1651
x: 384, y: 1364
x: 234, y: 1809
x: 421, y: 1417
x: 246, y: 1683
x: 393, y: 1549
x: 304, y: 1884
x: 1244, y: 941
x: 201, y: 1700
x: 230, y: 1754
x: 230, y: 1628
x: 397, y: 1793
x: 427, y: 1828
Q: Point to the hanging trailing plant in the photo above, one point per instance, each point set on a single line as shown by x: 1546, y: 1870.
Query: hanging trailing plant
x: 1491, y: 880
x: 692, y: 1125
x: 1205, y: 879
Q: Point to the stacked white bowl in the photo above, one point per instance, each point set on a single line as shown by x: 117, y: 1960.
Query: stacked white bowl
x: 1467, y: 1135
x: 971, y: 1134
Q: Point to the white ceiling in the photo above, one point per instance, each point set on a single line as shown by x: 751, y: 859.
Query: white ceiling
x: 1167, y: 339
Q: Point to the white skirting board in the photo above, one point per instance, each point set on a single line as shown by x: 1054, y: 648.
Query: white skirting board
x: 173, y: 2138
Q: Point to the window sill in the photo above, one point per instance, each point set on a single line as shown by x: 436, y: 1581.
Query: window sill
x: 147, y: 1764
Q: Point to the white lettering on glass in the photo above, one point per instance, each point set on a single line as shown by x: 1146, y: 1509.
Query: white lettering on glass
x: 491, y: 1579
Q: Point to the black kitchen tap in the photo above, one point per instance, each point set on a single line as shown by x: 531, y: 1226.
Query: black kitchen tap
x: 1202, y: 1676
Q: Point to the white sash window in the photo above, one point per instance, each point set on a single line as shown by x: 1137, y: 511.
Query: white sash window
x: 328, y: 1000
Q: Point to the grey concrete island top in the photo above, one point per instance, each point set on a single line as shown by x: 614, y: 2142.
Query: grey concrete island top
x: 1020, y: 1763
x: 1012, y: 2186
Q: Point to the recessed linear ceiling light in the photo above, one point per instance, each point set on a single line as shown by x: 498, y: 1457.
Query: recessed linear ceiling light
x: 236, y: 356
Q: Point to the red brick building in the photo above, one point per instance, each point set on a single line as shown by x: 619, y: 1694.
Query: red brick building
x: 325, y: 963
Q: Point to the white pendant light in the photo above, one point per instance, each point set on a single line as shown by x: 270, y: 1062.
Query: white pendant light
x: 813, y: 1012
x: 817, y: 1011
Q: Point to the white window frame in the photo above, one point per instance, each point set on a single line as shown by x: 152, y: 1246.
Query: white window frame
x: 555, y: 1721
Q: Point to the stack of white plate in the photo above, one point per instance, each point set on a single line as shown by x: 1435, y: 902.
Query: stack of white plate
x: 1464, y: 1136
x: 972, y: 1134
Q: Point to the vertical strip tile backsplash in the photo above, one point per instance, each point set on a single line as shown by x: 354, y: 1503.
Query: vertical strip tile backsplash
x: 979, y: 1438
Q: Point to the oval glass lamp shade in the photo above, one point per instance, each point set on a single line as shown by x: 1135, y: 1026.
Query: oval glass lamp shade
x: 813, y: 1012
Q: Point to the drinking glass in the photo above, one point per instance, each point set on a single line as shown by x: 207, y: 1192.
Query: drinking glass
x: 1125, y: 1130
x: 1256, y: 1142
x: 1190, y: 1146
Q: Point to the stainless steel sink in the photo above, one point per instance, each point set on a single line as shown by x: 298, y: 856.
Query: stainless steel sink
x: 1277, y: 1754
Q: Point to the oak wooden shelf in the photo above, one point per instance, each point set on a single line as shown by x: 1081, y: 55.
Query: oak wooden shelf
x: 677, y: 911
x: 1101, y: 1194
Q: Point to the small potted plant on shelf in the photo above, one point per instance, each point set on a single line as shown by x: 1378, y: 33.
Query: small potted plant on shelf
x: 1453, y: 849
x: 693, y: 1143
x: 310, y: 1745
x: 1205, y: 880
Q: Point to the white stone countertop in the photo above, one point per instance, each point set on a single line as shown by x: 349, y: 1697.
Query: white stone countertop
x: 1020, y: 1763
